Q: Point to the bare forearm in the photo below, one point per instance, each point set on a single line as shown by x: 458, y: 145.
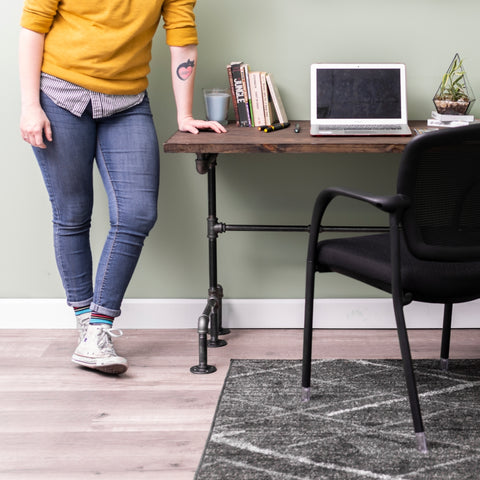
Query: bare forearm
x: 30, y: 63
x: 34, y: 124
x: 184, y: 63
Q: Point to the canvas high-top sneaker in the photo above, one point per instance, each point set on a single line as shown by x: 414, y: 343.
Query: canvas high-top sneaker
x: 82, y: 325
x: 96, y: 350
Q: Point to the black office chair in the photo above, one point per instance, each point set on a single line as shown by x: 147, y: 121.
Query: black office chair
x: 431, y: 252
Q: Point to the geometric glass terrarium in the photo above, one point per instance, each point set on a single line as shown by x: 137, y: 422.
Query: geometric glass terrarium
x: 454, y: 96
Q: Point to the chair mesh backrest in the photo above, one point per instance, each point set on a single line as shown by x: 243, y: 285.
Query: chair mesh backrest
x: 440, y: 173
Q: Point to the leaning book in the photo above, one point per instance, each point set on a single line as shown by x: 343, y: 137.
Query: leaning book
x: 276, y: 99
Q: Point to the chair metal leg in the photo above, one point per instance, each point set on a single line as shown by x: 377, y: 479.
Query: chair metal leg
x: 399, y: 300
x: 409, y: 375
x: 421, y: 442
x: 307, y: 333
x: 446, y: 333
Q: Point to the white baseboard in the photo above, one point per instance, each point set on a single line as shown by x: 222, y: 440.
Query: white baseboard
x: 249, y: 313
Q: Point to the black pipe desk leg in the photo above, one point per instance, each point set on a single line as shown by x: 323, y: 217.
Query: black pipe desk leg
x: 214, y: 292
x: 214, y: 341
x: 218, y: 294
x: 203, y: 367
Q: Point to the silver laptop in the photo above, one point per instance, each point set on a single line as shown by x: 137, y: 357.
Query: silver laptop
x: 358, y: 99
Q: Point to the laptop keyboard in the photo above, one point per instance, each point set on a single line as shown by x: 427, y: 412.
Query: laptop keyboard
x: 360, y: 127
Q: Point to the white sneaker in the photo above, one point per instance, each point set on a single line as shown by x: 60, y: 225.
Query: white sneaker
x: 82, y: 325
x: 96, y: 350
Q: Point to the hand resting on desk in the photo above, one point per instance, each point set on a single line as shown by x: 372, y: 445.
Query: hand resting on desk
x: 194, y: 126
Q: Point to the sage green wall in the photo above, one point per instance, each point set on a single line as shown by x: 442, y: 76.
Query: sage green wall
x: 283, y: 38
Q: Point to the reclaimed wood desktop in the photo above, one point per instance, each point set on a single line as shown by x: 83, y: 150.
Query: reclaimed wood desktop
x: 208, y: 145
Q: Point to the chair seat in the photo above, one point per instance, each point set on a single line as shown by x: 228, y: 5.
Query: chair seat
x: 367, y: 259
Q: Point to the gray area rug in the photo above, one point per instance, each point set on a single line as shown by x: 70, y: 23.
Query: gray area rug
x: 357, y: 425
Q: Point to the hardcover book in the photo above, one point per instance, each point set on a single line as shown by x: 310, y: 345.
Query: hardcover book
x: 257, y: 99
x: 233, y: 95
x: 267, y: 100
x: 248, y: 95
x: 240, y: 94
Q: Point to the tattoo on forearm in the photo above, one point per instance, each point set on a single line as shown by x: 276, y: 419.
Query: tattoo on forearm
x: 184, y: 70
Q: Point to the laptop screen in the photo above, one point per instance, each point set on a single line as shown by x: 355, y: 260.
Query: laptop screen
x: 357, y: 93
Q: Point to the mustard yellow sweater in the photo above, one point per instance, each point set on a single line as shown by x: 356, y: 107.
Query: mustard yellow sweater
x: 105, y: 45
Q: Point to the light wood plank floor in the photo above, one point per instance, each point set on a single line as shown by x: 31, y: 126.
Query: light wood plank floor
x: 58, y: 421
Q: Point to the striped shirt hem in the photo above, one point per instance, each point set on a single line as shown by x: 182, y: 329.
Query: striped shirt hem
x: 75, y: 99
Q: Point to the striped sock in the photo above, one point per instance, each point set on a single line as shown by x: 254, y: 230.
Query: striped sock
x: 99, y: 319
x: 81, y: 310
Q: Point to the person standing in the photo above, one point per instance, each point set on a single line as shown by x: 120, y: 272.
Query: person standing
x: 83, y: 78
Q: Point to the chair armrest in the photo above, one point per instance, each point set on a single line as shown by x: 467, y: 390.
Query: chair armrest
x: 392, y: 204
x: 387, y: 203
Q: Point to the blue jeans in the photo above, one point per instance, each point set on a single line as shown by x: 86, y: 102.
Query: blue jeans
x: 125, y: 148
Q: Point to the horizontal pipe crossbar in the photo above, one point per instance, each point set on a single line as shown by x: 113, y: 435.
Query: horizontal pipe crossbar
x: 221, y: 228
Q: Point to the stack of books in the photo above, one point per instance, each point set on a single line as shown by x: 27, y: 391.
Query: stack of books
x: 255, y: 97
x: 444, y: 120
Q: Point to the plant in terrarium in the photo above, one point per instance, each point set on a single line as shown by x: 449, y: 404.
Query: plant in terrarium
x: 454, y: 96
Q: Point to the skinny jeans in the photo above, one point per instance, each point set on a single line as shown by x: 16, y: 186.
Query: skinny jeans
x: 125, y: 149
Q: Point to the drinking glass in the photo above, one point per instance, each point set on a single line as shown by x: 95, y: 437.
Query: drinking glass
x: 216, y: 104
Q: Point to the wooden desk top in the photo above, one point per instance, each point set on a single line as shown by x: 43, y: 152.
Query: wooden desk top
x: 250, y: 140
